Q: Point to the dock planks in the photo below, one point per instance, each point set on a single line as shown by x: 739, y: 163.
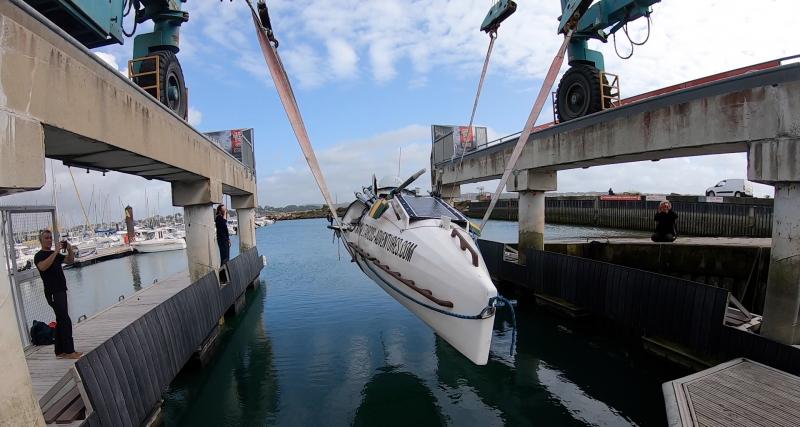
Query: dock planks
x: 47, y: 370
x: 740, y: 392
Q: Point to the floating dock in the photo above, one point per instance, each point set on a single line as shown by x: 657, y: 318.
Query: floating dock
x: 738, y: 393
x: 134, y: 349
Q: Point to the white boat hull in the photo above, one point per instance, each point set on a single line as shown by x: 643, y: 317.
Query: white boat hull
x: 149, y: 246
x: 427, y: 255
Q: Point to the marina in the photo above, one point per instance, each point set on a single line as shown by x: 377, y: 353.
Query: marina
x: 409, y: 305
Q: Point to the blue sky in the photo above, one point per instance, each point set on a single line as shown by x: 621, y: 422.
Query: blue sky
x: 372, y: 76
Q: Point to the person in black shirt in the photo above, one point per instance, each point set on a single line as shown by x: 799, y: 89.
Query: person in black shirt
x: 665, y: 223
x: 48, y: 262
x: 223, y: 239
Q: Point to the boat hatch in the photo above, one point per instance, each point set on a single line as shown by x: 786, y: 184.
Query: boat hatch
x: 428, y: 207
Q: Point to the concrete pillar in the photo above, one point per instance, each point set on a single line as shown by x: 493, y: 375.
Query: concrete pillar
x: 531, y: 222
x: 782, y: 303
x: 18, y: 405
x: 245, y: 211
x: 198, y: 199
x: 531, y: 187
x: 201, y: 240
x: 775, y: 162
x: 450, y: 192
x: 21, y: 153
x: 247, y: 228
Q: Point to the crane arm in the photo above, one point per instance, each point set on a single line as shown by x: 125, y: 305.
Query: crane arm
x: 601, y: 19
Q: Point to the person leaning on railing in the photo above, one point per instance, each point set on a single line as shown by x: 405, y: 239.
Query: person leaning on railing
x: 48, y: 262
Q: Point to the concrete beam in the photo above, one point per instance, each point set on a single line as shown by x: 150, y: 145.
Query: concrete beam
x: 248, y: 201
x: 200, y: 192
x: 530, y: 180
x: 782, y: 301
x: 776, y: 160
x: 85, y: 106
x: 21, y: 153
x: 201, y: 243
x: 721, y: 118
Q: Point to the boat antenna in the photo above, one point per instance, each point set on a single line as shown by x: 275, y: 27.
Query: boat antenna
x: 399, y: 158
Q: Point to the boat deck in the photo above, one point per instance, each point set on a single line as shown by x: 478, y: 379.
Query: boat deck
x: 740, y: 392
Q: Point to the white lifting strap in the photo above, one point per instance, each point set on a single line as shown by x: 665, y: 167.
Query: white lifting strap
x: 292, y: 111
x: 547, y: 84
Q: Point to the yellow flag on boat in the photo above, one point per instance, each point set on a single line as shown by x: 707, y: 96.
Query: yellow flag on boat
x: 474, y: 229
x: 378, y: 208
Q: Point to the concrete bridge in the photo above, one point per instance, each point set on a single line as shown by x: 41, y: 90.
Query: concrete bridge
x: 757, y: 113
x: 58, y: 100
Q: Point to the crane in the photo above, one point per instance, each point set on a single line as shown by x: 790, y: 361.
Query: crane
x: 584, y: 89
x: 154, y: 67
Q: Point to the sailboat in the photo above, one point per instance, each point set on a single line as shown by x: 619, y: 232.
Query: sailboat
x: 418, y: 249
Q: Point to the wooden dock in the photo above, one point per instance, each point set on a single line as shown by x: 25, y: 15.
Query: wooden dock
x: 740, y: 392
x: 102, y: 255
x: 134, y: 349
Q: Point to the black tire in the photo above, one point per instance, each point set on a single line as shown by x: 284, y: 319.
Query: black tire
x: 579, y: 93
x: 173, y: 87
x: 710, y: 194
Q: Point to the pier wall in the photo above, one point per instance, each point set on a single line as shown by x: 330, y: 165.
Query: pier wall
x: 686, y: 314
x: 741, y: 270
x: 734, y: 217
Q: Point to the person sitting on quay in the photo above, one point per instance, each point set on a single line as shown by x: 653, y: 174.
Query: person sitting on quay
x: 665, y: 223
x: 48, y: 262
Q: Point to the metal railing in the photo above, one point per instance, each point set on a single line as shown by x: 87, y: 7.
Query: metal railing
x: 20, y: 228
x: 136, y: 76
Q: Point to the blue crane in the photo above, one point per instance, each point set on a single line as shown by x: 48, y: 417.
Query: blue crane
x: 584, y: 88
x: 154, y: 66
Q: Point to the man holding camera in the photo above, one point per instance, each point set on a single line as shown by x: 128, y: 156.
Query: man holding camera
x: 48, y: 262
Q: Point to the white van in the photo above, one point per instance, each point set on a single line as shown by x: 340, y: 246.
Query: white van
x: 731, y: 187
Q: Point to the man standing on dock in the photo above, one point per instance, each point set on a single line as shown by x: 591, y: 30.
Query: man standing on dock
x: 48, y: 262
x: 223, y: 238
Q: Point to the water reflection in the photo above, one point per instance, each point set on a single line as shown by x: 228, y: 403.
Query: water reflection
x: 136, y: 275
x: 241, y: 379
x: 561, y: 374
x: 397, y: 399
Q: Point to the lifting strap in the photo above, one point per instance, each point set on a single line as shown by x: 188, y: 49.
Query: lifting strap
x: 470, y: 136
x: 289, y: 102
x: 547, y: 84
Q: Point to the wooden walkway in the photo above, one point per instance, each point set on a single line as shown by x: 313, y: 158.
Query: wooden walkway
x: 53, y: 378
x: 736, y: 393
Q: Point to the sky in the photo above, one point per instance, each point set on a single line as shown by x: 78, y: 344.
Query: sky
x: 371, y: 77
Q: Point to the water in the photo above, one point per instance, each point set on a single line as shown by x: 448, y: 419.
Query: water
x: 320, y: 344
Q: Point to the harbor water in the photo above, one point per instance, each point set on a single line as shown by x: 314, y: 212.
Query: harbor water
x: 320, y: 344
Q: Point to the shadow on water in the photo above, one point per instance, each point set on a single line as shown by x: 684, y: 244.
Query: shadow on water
x: 241, y: 378
x: 397, y: 399
x: 563, y: 373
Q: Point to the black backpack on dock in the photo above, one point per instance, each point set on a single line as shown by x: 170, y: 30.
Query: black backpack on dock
x: 41, y: 334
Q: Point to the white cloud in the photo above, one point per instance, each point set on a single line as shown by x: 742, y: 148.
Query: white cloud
x: 343, y: 58
x: 195, y: 117
x: 349, y: 165
x: 111, y: 60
